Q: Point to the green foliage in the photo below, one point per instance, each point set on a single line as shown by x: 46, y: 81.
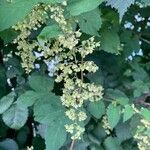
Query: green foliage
x: 55, y: 136
x: 50, y: 32
x: 37, y: 110
x: 48, y: 109
x: 120, y: 5
x: 128, y: 112
x: 113, y: 113
x: 15, y: 117
x: 97, y: 109
x: 110, y: 41
x: 28, y: 99
x: 6, y: 101
x: 90, y: 22
x: 112, y: 144
x: 8, y: 144
x: 76, y: 7
x: 14, y: 9
x: 46, y: 84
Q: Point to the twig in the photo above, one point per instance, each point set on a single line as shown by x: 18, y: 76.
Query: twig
x: 72, y: 145
x: 145, y: 40
x: 141, y: 100
x: 82, y: 71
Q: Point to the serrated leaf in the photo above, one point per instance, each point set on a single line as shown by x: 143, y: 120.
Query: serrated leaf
x: 6, y: 102
x: 140, y: 87
x: 15, y: 69
x: 127, y: 113
x: 145, y: 113
x: 48, y: 109
x: 50, y: 32
x: 8, y: 144
x: 55, y: 136
x: 130, y: 41
x: 146, y: 2
x: 76, y: 7
x: 15, y: 9
x: 123, y: 132
x: 97, y: 109
x: 120, y: 5
x: 28, y: 99
x: 15, y: 117
x: 118, y: 96
x: 8, y: 35
x: 110, y: 41
x: 112, y: 143
x: 41, y: 83
x: 90, y: 22
x: 113, y: 113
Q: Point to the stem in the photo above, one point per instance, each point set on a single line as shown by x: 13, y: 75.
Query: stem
x: 145, y: 40
x: 72, y: 145
x: 82, y: 71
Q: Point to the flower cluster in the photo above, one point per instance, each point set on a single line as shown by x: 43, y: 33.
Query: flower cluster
x: 106, y: 125
x: 25, y: 46
x: 30, y: 148
x: 142, y: 135
x: 70, y: 70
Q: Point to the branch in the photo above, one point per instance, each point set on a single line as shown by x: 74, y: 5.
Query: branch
x: 145, y: 40
x: 72, y: 145
x: 141, y: 100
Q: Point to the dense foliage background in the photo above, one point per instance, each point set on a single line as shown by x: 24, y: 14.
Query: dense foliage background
x: 33, y: 116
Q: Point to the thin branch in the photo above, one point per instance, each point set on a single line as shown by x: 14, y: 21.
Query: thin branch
x: 72, y: 145
x: 82, y: 71
x: 145, y: 40
x: 142, y: 100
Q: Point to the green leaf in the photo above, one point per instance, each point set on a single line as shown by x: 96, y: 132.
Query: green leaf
x: 120, y: 5
x: 11, y: 13
x: 76, y: 7
x: 90, y: 22
x: 3, y: 80
x: 113, y: 113
x: 118, y: 96
x: 8, y: 35
x: 49, y: 109
x: 140, y: 87
x: 15, y: 69
x: 6, y: 102
x: 8, y: 144
x: 15, y: 117
x: 50, y: 32
x: 18, y: 10
x: 146, y: 2
x: 55, y: 136
x: 28, y: 99
x: 130, y: 41
x: 110, y: 41
x: 49, y: 1
x: 127, y: 113
x: 41, y: 83
x: 112, y: 143
x: 123, y: 132
x: 97, y: 109
x: 145, y: 113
